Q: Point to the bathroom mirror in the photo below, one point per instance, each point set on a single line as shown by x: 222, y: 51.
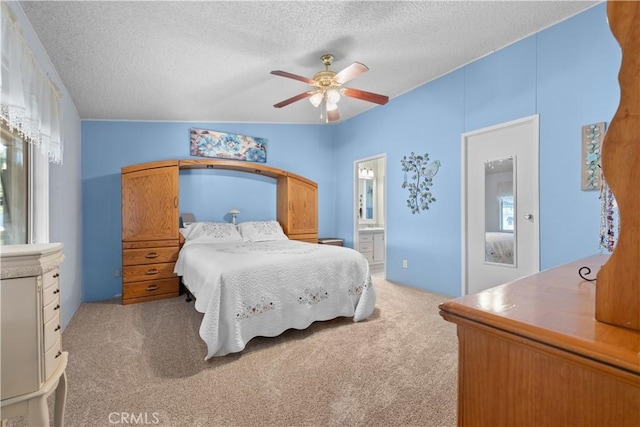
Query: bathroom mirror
x: 366, y: 199
x: 500, y: 219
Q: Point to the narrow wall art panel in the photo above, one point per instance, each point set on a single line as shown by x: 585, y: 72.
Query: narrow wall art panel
x: 209, y: 143
x: 422, y: 172
x: 592, y: 137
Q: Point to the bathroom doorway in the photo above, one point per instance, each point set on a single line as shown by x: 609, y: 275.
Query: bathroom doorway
x: 370, y: 211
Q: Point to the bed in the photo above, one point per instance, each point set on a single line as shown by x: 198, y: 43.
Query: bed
x: 253, y: 281
x: 499, y: 247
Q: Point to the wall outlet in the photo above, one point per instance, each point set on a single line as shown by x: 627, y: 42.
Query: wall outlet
x: 116, y: 273
x: 405, y: 263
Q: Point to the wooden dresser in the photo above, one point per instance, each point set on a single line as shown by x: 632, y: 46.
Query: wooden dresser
x: 553, y: 349
x: 31, y: 341
x: 531, y: 353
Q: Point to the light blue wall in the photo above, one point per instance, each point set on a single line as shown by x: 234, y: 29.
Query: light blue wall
x: 65, y: 211
x: 567, y: 74
x: 108, y: 146
x: 578, y: 64
x: 427, y: 119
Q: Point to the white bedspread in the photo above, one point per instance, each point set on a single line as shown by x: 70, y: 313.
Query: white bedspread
x: 264, y: 288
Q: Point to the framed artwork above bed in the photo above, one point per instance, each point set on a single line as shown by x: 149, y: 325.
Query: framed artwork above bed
x: 210, y: 143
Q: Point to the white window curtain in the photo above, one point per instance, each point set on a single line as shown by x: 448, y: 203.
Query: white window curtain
x: 29, y: 101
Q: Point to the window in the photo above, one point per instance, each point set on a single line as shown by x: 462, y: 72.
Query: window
x: 506, y: 213
x: 14, y: 188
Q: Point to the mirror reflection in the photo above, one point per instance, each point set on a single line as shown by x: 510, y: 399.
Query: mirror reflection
x: 366, y: 198
x: 500, y: 219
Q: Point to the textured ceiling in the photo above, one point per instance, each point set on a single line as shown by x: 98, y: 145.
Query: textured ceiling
x: 211, y: 61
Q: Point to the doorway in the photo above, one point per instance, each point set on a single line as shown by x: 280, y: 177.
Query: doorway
x: 369, y: 211
x: 500, y: 204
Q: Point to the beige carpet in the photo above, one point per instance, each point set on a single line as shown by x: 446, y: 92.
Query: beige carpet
x: 144, y: 363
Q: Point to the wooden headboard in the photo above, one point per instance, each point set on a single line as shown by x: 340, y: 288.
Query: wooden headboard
x: 150, y: 220
x: 297, y: 196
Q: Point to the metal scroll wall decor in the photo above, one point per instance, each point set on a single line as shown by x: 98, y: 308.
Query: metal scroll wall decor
x: 609, y: 225
x: 421, y: 173
x: 608, y: 218
x: 593, y: 179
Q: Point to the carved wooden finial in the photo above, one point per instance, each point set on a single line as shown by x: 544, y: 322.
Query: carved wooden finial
x: 618, y: 282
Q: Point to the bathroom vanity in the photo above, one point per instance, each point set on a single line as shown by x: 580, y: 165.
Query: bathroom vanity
x: 371, y: 244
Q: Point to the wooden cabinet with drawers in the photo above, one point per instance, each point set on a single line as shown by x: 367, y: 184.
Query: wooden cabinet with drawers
x: 150, y: 236
x: 31, y: 337
x: 147, y: 273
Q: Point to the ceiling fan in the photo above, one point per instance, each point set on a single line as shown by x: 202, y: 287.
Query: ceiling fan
x: 327, y: 88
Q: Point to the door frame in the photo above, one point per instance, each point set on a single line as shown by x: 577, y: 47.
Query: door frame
x: 356, y: 235
x: 464, y: 140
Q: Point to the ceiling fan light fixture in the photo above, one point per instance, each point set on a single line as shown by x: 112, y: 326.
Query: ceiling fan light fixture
x: 333, y: 96
x: 327, y: 90
x: 331, y: 106
x: 316, y: 99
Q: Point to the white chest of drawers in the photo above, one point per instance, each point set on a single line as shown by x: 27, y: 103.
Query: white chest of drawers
x: 31, y: 340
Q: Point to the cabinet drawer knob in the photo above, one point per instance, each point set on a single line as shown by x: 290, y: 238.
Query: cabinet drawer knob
x: 55, y: 276
x: 57, y: 329
x: 57, y: 307
x: 151, y: 271
x: 56, y: 291
x: 152, y: 288
x: 151, y: 255
x: 58, y: 354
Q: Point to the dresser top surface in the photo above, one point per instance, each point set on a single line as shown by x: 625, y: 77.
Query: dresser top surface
x: 39, y: 249
x: 555, y: 307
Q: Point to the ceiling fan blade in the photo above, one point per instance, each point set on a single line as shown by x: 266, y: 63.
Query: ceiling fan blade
x: 293, y: 99
x: 351, y: 72
x: 292, y: 76
x: 333, y: 115
x: 365, y: 96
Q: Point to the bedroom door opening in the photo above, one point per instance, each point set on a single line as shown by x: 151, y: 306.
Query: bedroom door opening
x: 500, y: 204
x: 369, y: 211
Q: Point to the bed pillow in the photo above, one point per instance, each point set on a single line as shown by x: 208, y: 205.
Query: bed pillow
x: 218, y: 232
x: 261, y: 231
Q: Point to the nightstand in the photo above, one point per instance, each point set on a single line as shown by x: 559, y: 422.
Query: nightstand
x: 335, y: 241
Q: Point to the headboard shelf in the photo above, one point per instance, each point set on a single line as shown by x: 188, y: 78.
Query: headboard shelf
x: 235, y: 165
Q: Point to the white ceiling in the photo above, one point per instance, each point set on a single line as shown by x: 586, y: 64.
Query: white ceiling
x: 211, y: 61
